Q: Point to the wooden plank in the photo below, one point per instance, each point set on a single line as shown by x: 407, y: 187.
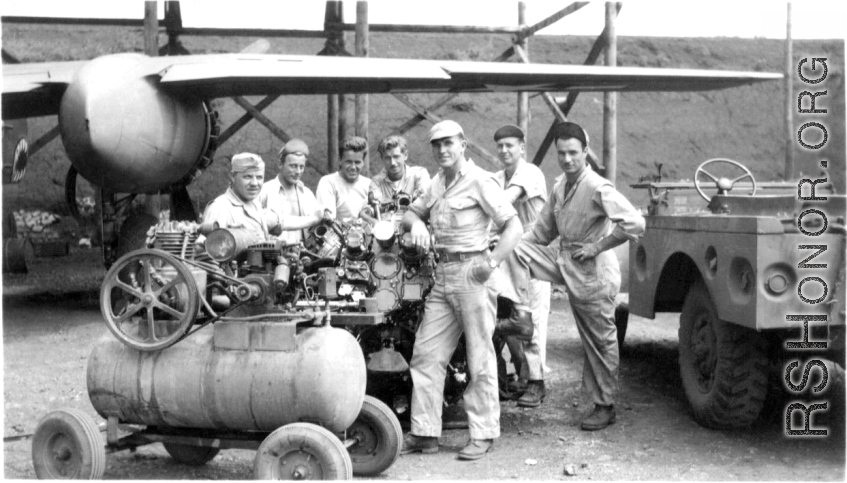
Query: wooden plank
x: 610, y: 99
x: 43, y: 140
x: 548, y: 98
x: 9, y: 58
x: 500, y: 58
x: 117, y: 22
x: 408, y: 125
x: 332, y: 132
x: 243, y: 120
x: 529, y: 32
x: 433, y: 118
x: 151, y: 29
x: 788, y: 170
x: 523, y: 97
x: 277, y: 131
x: 362, y: 47
x: 401, y: 28
x: 234, y: 32
x: 596, y: 49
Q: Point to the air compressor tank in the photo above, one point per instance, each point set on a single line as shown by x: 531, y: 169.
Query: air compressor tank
x: 318, y: 376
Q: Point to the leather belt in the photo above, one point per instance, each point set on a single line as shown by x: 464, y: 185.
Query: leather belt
x: 447, y: 257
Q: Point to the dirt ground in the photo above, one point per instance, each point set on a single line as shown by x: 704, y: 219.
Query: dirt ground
x: 47, y: 338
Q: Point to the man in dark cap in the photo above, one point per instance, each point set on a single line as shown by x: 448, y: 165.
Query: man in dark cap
x: 461, y: 202
x: 590, y: 217
x: 290, y: 204
x: 526, y: 190
x: 237, y: 208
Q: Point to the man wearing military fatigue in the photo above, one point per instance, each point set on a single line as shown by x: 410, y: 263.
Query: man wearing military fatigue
x: 238, y: 207
x: 289, y: 204
x: 591, y: 217
x: 460, y: 204
x: 526, y: 189
x: 344, y: 193
x: 397, y: 176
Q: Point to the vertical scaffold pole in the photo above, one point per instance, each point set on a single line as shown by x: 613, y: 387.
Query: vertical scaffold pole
x: 788, y: 174
x: 610, y: 99
x: 362, y: 46
x: 523, y: 97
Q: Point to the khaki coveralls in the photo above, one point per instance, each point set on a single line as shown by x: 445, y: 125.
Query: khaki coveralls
x: 459, y: 216
x: 583, y: 214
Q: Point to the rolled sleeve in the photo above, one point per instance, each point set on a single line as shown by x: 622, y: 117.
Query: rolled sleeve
x: 532, y: 181
x: 325, y: 194
x: 421, y: 206
x: 494, y: 202
x: 545, y: 230
x: 422, y: 183
x: 629, y: 224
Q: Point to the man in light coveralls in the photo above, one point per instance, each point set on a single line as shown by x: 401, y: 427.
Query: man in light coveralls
x: 591, y: 217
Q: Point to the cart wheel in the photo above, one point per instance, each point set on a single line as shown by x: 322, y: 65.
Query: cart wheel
x: 67, y: 445
x: 378, y: 435
x: 302, y: 451
x: 149, y: 299
x: 191, y: 455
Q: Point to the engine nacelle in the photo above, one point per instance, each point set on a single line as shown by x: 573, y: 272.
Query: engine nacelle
x: 125, y: 134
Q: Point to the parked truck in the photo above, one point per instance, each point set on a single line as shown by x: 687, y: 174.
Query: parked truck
x: 735, y: 265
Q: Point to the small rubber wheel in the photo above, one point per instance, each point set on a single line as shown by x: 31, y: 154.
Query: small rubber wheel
x: 302, y: 451
x: 378, y: 435
x: 191, y: 455
x: 133, y: 234
x: 67, y: 445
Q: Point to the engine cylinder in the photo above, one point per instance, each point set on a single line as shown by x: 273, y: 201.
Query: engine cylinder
x: 124, y: 133
x: 192, y: 384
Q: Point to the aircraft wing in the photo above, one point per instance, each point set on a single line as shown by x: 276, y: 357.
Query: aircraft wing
x: 36, y: 89
x: 31, y: 90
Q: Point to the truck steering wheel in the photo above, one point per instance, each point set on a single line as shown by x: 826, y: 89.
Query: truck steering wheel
x: 723, y: 184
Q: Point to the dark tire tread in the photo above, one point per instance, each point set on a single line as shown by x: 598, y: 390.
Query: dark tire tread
x: 741, y: 371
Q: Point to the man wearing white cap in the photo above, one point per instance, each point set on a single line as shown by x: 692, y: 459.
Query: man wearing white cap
x: 526, y: 189
x: 461, y: 202
x: 238, y: 208
x: 290, y: 205
x: 344, y: 193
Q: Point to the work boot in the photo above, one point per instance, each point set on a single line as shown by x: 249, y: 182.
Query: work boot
x: 533, y: 396
x: 476, y: 449
x: 601, y: 417
x: 518, y: 385
x: 519, y: 324
x: 425, y: 444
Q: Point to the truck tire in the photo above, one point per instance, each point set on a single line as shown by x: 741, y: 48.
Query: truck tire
x: 723, y: 366
x: 621, y: 322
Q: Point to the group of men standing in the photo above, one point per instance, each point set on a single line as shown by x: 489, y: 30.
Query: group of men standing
x: 455, y: 214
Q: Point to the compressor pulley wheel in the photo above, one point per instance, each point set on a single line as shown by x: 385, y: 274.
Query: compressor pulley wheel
x: 149, y: 299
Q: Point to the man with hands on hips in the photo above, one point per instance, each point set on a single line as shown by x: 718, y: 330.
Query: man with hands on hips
x: 590, y: 217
